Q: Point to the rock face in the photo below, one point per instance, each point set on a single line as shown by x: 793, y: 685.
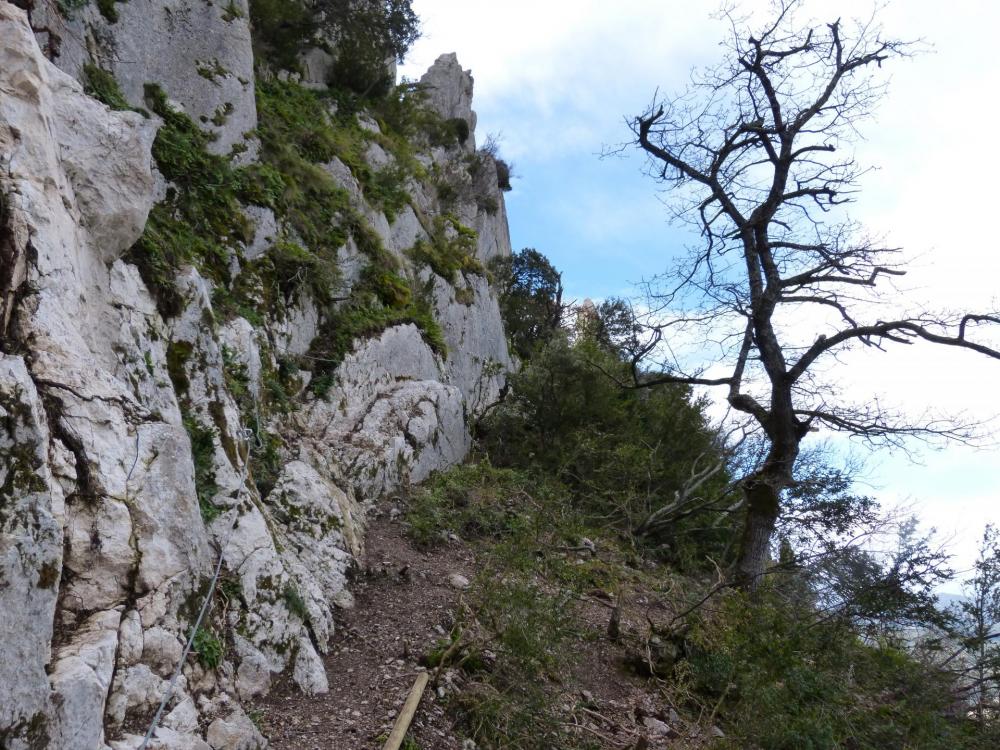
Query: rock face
x: 198, y: 52
x: 449, y: 90
x: 138, y: 450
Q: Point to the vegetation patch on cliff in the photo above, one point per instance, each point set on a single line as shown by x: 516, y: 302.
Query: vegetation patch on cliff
x: 101, y: 85
x: 200, y: 221
x: 203, y: 452
x: 450, y: 251
x: 299, y: 134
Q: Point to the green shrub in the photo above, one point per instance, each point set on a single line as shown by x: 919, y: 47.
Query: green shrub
x: 295, y: 603
x: 512, y: 700
x: 265, y: 446
x: 297, y: 134
x: 386, y: 188
x: 367, y: 34
x: 230, y: 588
x: 202, y: 438
x: 293, y: 268
x: 260, y: 184
x: 265, y: 459
x: 623, y: 452
x: 783, y: 680
x: 208, y: 648
x: 392, y: 290
x: 504, y: 168
x: 101, y: 85
x: 69, y: 7
x: 203, y: 453
x: 296, y: 116
x: 503, y: 175
x: 460, y: 127
x: 450, y: 251
x: 231, y: 12
x: 237, y: 377
x: 298, y: 131
x: 530, y: 626
x: 513, y: 640
x: 405, y: 119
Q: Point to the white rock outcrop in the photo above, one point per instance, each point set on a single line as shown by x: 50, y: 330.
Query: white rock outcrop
x: 133, y: 452
x: 449, y: 92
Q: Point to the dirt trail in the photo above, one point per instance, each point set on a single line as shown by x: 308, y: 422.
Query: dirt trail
x: 403, y: 605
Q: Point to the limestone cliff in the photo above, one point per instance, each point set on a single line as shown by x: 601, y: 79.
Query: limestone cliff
x: 232, y: 320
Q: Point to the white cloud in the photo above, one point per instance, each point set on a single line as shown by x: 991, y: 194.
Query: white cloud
x: 557, y: 77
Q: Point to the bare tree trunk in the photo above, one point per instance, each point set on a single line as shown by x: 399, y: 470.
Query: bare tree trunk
x: 763, y: 496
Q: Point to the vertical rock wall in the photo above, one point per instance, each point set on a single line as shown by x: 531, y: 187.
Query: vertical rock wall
x: 127, y: 461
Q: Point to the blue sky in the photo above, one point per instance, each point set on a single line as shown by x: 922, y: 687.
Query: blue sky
x: 556, y: 79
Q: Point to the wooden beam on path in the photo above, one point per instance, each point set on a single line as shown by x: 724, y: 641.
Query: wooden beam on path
x: 406, y: 714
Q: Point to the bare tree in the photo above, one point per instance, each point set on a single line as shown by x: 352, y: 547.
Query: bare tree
x: 756, y: 154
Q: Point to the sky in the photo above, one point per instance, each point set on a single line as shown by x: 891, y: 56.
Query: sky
x: 557, y: 79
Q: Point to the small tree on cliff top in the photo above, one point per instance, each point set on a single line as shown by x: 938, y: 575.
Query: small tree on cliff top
x: 756, y: 153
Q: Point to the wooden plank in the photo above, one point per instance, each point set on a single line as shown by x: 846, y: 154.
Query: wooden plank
x: 407, y: 712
